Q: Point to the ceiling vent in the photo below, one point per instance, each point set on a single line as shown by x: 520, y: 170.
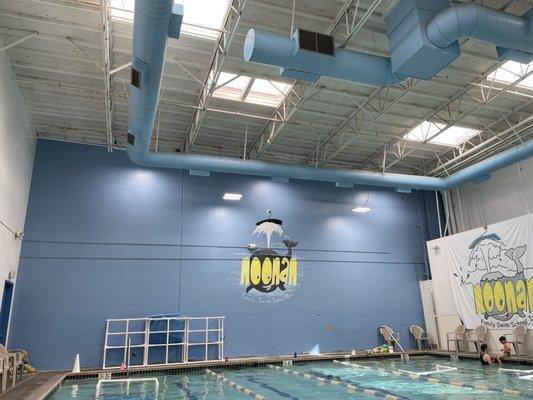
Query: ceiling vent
x: 316, y: 42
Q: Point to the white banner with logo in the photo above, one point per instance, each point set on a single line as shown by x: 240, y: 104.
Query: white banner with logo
x: 491, y: 271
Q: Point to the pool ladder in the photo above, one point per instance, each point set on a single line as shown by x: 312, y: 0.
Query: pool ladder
x: 404, y: 356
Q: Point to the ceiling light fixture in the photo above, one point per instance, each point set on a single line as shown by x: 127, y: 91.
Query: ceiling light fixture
x: 362, y: 210
x: 232, y: 196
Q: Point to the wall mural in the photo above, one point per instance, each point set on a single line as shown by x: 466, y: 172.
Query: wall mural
x: 266, y: 275
x: 492, y: 274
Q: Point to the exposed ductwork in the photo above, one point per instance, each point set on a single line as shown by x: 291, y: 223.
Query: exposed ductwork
x: 423, y: 37
x: 154, y: 21
x: 267, y: 48
x: 508, y: 32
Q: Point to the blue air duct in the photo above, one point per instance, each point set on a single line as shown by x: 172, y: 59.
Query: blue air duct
x: 423, y: 38
x: 154, y: 21
x: 267, y: 48
x: 471, y: 20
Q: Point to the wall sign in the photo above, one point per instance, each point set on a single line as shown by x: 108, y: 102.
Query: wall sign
x: 266, y: 275
x: 492, y: 274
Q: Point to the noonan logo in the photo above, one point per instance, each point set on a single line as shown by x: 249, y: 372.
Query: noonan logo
x: 497, y: 277
x: 265, y: 270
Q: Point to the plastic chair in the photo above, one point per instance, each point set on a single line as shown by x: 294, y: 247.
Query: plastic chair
x: 458, y: 335
x: 418, y: 334
x: 389, y: 335
x: 477, y: 336
x: 11, y: 364
x: 517, y: 337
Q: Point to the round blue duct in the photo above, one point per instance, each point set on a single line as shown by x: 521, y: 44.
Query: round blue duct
x: 280, y: 51
x: 482, y: 23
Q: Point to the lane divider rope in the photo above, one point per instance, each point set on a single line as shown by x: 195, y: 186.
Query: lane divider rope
x: 445, y: 381
x: 233, y: 385
x: 347, y: 385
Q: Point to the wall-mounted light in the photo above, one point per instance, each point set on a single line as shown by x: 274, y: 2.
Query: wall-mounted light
x: 362, y: 209
x: 232, y: 196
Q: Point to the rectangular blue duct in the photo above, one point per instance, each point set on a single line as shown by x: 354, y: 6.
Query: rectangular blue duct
x: 514, y: 55
x: 174, y: 26
x: 412, y: 54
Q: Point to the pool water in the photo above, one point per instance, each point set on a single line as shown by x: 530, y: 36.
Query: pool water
x: 277, y: 385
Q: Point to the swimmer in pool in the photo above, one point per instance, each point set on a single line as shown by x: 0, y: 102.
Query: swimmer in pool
x: 486, y: 358
x: 506, y: 349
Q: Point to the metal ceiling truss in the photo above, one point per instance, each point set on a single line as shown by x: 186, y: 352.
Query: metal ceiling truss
x: 18, y: 41
x: 364, y: 115
x: 216, y: 64
x: 300, y: 91
x: 454, y: 158
x: 448, y: 114
x: 108, y: 80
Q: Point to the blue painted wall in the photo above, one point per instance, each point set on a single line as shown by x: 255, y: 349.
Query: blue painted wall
x: 108, y: 239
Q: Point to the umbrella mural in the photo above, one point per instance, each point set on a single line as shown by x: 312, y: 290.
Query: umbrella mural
x: 487, y: 255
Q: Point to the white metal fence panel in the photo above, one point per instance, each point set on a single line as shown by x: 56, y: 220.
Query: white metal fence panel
x: 162, y: 341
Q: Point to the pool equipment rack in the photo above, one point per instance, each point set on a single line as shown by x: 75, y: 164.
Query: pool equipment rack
x: 233, y: 385
x: 334, y: 381
x: 163, y: 341
x: 127, y: 382
x: 445, y: 381
x: 440, y: 369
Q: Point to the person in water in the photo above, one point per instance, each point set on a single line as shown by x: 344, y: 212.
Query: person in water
x: 486, y: 358
x: 506, y: 349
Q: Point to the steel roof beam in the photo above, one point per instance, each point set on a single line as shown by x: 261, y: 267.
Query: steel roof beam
x: 300, y: 91
x: 108, y: 81
x: 216, y: 64
x: 451, y: 117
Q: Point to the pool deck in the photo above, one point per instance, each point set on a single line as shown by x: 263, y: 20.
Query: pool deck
x: 38, y: 386
x: 34, y: 386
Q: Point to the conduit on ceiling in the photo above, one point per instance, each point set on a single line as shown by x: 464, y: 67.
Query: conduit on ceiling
x: 155, y: 21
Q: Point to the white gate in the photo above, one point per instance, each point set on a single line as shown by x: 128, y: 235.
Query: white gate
x: 162, y: 341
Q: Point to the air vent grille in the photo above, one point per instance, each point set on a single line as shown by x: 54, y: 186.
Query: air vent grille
x: 135, y: 78
x: 316, y: 42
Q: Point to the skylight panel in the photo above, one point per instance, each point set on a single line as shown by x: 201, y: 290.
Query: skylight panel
x: 250, y: 90
x: 267, y: 92
x: 205, y: 17
x: 511, y: 71
x: 232, y: 86
x: 453, y: 136
x: 202, y: 18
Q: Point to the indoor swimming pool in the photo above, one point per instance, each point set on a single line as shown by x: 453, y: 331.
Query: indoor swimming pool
x: 353, y: 379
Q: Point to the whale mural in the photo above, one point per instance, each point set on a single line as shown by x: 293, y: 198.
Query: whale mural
x: 265, y: 271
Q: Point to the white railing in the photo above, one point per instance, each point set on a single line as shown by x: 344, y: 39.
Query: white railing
x: 162, y: 341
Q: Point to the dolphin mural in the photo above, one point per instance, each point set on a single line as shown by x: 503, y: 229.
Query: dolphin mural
x: 265, y: 270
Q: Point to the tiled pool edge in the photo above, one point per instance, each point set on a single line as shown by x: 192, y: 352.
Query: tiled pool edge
x: 263, y: 360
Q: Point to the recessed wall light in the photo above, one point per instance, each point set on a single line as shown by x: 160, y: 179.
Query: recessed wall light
x: 362, y: 209
x: 232, y: 196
